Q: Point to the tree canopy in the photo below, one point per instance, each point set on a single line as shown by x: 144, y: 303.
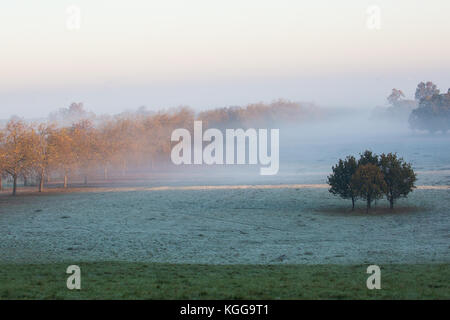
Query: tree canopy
x: 372, y: 177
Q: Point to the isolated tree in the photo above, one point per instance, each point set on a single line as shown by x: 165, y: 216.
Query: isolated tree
x: 368, y: 181
x: 340, y: 179
x: 395, y: 96
x: 398, y: 175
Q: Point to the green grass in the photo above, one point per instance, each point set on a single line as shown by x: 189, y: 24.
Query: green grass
x: 127, y: 280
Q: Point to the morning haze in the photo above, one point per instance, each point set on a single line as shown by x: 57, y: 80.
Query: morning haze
x: 213, y: 54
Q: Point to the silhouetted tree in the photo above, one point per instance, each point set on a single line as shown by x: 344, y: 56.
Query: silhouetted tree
x: 433, y: 113
x: 425, y: 90
x: 368, y: 181
x: 398, y: 175
x: 340, y: 179
x: 395, y: 96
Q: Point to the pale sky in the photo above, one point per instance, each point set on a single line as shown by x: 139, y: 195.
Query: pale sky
x: 208, y: 53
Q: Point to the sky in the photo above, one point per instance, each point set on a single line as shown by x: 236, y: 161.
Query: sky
x: 116, y: 55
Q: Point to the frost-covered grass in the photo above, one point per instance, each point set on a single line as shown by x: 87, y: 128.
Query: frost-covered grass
x: 128, y: 280
x: 235, y: 226
x: 237, y: 243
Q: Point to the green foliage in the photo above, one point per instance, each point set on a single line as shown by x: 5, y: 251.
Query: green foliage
x: 368, y: 157
x: 398, y: 175
x: 340, y: 179
x: 371, y: 177
x: 368, y: 181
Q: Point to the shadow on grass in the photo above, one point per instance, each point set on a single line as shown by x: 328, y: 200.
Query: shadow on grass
x: 376, y: 210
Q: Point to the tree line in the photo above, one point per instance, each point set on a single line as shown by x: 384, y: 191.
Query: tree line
x: 372, y: 177
x: 73, y: 142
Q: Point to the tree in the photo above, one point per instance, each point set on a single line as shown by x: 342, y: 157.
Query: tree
x: 70, y: 115
x: 42, y: 153
x: 425, y: 90
x: 107, y: 145
x: 368, y: 157
x: 395, y: 96
x: 368, y: 181
x: 398, y: 176
x: 63, y: 155
x: 340, y: 179
x: 17, y: 150
x: 84, y: 138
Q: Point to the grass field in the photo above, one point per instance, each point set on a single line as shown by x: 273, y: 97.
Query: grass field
x: 248, y: 226
x: 130, y: 280
x: 205, y: 243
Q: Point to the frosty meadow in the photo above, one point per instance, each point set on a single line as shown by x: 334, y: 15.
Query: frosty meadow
x: 213, y: 153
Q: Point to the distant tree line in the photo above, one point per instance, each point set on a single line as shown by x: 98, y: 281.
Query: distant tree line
x: 260, y: 114
x: 372, y: 177
x: 77, y: 143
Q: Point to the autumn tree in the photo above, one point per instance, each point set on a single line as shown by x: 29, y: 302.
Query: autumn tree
x: 398, y: 176
x: 368, y: 181
x: 63, y: 155
x: 17, y: 150
x: 340, y: 179
x: 84, y: 144
x: 42, y: 153
x: 107, y: 145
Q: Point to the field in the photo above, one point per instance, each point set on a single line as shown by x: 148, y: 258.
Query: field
x: 250, y: 243
x: 134, y: 280
x: 273, y: 237
x: 235, y: 226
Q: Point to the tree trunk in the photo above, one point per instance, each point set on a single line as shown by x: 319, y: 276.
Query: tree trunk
x: 25, y: 181
x: 368, y: 204
x: 65, y: 181
x: 391, y: 202
x: 1, y: 182
x: 353, y: 203
x: 14, y: 185
x: 41, y: 181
